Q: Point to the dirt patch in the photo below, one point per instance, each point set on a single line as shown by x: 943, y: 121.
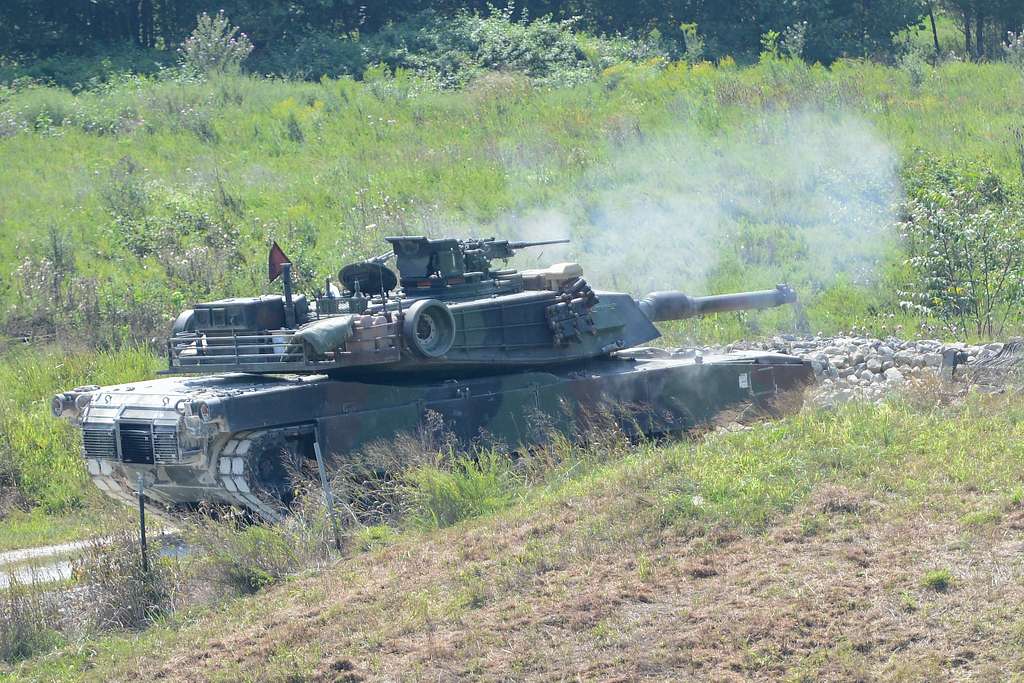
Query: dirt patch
x: 544, y: 600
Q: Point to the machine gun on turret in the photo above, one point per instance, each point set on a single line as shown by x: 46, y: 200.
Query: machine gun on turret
x: 479, y: 253
x: 425, y: 263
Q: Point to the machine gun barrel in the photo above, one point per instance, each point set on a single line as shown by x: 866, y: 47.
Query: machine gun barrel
x: 661, y: 306
x: 524, y: 245
x: 382, y: 259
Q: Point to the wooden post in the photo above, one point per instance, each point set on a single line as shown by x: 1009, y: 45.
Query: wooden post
x: 328, y: 495
x: 142, y: 525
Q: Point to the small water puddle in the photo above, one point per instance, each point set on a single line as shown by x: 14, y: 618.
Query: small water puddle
x: 53, y: 563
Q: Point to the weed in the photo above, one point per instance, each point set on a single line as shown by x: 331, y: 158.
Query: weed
x: 372, y: 537
x: 980, y: 518
x: 449, y: 492
x: 250, y: 557
x: 474, y: 588
x: 644, y: 567
x: 29, y: 615
x: 938, y: 580
x: 119, y: 592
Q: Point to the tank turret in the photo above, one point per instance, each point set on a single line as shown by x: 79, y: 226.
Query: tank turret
x: 448, y: 309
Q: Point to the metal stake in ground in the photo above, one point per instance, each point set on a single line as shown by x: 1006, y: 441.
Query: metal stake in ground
x: 328, y: 495
x: 142, y: 524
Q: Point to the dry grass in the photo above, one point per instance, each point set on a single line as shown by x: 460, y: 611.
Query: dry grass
x: 549, y: 601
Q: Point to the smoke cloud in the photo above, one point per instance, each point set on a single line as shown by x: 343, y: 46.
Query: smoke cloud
x: 801, y: 197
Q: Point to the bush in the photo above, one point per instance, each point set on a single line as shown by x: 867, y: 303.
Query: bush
x: 89, y: 71
x: 456, y: 50
x: 215, y: 46
x: 314, y: 56
x: 963, y: 235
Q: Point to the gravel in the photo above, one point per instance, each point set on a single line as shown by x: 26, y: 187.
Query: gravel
x: 865, y: 368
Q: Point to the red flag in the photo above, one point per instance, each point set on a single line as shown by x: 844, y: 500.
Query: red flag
x: 275, y: 264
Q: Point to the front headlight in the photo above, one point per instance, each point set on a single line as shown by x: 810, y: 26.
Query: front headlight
x: 71, y: 404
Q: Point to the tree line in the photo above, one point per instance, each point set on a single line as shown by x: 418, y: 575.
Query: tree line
x: 35, y: 29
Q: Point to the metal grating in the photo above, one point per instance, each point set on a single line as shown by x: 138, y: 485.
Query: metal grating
x: 136, y: 442
x: 165, y: 446
x: 99, y: 443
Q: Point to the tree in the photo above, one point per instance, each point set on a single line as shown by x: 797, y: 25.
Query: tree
x: 964, y: 243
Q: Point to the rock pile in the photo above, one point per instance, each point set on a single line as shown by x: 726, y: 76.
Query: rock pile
x: 867, y: 368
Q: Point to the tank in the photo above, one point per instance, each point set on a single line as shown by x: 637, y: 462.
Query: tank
x: 449, y: 343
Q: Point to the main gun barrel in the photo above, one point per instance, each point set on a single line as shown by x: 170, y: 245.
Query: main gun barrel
x: 661, y: 306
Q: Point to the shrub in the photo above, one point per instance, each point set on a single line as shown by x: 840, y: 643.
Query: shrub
x: 215, y: 46
x: 962, y: 230
x: 88, y: 71
x: 458, y: 49
x: 316, y: 55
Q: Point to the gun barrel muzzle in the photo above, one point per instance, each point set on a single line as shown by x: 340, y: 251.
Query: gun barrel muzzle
x: 661, y: 306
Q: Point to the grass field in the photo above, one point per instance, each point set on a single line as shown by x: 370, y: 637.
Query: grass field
x: 47, y: 497
x: 876, y: 541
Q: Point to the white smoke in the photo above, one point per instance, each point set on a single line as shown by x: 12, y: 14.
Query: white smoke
x: 803, y: 197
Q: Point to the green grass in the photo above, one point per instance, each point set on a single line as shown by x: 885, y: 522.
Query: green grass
x: 124, y: 204
x: 38, y: 527
x: 937, y: 580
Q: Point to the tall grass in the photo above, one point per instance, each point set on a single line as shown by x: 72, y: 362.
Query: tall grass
x: 442, y: 494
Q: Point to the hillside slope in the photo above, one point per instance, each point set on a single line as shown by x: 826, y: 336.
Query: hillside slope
x: 873, y: 542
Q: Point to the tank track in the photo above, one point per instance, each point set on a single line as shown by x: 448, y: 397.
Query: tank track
x: 239, y: 469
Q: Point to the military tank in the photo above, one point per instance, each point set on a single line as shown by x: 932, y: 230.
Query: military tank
x: 255, y: 385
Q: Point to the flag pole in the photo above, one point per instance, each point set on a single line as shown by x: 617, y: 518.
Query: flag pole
x: 289, y: 305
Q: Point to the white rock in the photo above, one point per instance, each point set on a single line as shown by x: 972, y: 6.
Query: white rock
x: 933, y: 360
x: 874, y: 364
x: 893, y: 375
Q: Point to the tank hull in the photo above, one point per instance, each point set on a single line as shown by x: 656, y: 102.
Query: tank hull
x: 215, y: 438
